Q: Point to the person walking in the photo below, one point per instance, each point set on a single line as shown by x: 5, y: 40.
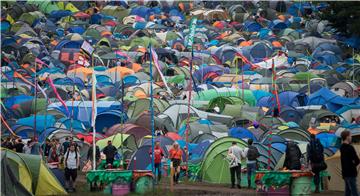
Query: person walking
x: 53, y: 158
x: 251, y: 153
x: 315, y: 158
x: 97, y: 155
x: 109, y: 152
x: 235, y: 154
x: 65, y: 145
x: 176, y: 156
x: 19, y: 146
x: 72, y: 162
x: 349, y: 162
x: 27, y: 148
x: 158, y: 155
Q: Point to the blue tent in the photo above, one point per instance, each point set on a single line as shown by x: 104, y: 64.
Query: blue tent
x: 40, y: 119
x: 109, y: 118
x: 82, y: 110
x: 251, y: 26
x: 241, y: 133
x: 278, y: 25
x: 328, y: 139
x: 331, y: 100
x: 9, y: 102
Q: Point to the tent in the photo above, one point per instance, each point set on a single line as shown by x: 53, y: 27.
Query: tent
x: 128, y: 141
x: 241, y: 133
x: 35, y: 174
x: 214, y: 160
x: 137, y: 131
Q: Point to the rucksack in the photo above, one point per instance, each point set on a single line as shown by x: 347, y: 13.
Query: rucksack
x: 67, y: 156
x: 316, y: 151
x: 252, y: 153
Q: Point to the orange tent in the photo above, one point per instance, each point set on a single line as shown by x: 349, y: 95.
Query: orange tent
x: 140, y: 94
x: 81, y: 72
x: 120, y: 71
x: 136, y: 67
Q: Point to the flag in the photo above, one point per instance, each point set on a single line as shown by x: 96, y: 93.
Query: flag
x: 93, y: 95
x: 156, y: 63
x: 190, y: 39
x: 49, y: 80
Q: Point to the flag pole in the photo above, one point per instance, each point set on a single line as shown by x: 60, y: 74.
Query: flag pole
x: 35, y: 94
x: 93, y: 117
x: 152, y: 111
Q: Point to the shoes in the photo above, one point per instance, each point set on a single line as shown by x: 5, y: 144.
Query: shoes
x: 232, y: 187
x: 239, y: 187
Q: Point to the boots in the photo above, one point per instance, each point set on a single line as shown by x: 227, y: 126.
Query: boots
x: 177, y: 178
x: 66, y: 185
x: 71, y: 186
x: 317, y: 190
x: 249, y: 184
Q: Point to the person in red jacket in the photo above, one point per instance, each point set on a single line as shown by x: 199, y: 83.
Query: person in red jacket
x: 158, y: 155
x: 175, y: 154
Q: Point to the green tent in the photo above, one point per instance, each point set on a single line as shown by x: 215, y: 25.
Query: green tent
x: 30, y: 17
x: 178, y: 79
x: 15, y: 175
x: 27, y: 108
x: 128, y: 141
x: 116, y: 11
x: 295, y: 134
x: 3, y: 92
x: 221, y: 102
x: 144, y: 42
x: 317, y: 114
x: 208, y: 95
x: 140, y: 105
x: 32, y: 173
x: 242, y: 112
x: 45, y: 6
x: 215, y: 168
x: 305, y: 76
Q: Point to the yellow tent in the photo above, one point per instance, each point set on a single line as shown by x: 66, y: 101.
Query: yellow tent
x: 32, y: 173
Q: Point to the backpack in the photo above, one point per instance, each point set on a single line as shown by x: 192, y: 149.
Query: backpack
x: 67, y: 156
x: 252, y: 153
x: 316, y: 151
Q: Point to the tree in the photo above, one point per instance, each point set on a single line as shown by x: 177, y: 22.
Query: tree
x: 344, y: 16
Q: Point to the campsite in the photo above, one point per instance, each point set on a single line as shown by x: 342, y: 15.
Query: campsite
x: 149, y: 83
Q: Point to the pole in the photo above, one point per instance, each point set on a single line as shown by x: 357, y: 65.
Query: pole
x: 122, y: 123
x: 189, y: 107
x: 152, y: 112
x: 93, y: 118
x: 35, y: 94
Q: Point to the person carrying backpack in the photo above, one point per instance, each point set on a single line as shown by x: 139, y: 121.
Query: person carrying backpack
x: 251, y: 153
x: 72, y: 162
x: 315, y: 158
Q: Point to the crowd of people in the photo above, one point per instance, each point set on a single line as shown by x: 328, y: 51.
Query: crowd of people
x: 68, y: 154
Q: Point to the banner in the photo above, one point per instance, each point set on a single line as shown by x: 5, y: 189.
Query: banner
x: 156, y: 63
x: 190, y: 39
x: 49, y: 80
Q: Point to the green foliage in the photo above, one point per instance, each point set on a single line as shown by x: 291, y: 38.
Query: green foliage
x: 344, y: 15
